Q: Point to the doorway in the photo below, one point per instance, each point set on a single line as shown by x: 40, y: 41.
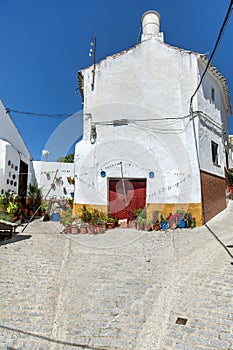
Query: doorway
x: 125, y: 196
x: 23, y: 179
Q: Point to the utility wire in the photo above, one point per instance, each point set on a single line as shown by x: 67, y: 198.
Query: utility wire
x: 212, y: 54
x: 55, y: 115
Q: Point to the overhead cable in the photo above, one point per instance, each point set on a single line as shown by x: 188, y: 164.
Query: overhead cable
x: 54, y: 115
x: 212, y: 54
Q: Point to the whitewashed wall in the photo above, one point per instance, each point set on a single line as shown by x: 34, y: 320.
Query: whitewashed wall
x: 145, y: 85
x: 45, y: 174
x: 13, y: 149
x: 214, y: 127
x: 9, y: 168
x: 230, y: 151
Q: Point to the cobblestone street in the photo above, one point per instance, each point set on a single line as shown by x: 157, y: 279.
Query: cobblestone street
x: 124, y: 289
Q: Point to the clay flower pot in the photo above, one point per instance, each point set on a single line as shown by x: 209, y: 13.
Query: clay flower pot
x: 99, y: 229
x: 74, y: 230
x: 91, y: 229
x: 110, y: 225
x: 132, y: 224
x: 83, y: 229
x: 147, y: 227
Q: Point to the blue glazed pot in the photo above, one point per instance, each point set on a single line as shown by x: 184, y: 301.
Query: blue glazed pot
x: 181, y: 224
x: 164, y: 225
x: 56, y: 217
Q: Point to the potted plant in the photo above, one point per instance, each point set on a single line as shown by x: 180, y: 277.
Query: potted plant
x: 173, y: 220
x: 132, y: 224
x: 184, y: 218
x: 140, y: 223
x: 83, y: 228
x: 43, y: 208
x: 86, y: 214
x: 163, y: 222
x: 75, y: 224
x: 12, y: 208
x: 99, y: 229
x: 65, y: 219
x: 110, y: 223
x: 193, y: 223
x: 91, y: 227
x: 156, y: 225
x: 141, y: 218
x: 147, y: 225
x: 74, y: 228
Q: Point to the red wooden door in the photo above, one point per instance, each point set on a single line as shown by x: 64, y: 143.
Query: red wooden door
x: 125, y: 196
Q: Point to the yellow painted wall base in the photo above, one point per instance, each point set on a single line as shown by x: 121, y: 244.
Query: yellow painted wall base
x: 77, y: 208
x: 165, y: 209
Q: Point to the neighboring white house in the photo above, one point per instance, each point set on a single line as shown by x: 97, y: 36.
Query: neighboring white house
x: 230, y: 152
x: 142, y: 144
x: 16, y: 170
x: 55, y: 179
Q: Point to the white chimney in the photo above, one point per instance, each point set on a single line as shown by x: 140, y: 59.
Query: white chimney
x: 151, y: 25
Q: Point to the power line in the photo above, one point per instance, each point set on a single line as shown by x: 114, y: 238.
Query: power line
x: 55, y: 115
x: 213, y: 52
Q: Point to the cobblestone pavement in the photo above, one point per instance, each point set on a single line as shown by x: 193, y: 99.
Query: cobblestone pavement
x: 121, y: 290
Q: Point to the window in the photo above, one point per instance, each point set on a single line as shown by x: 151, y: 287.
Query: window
x: 215, y: 153
x: 212, y: 95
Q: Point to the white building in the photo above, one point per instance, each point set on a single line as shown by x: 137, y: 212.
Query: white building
x: 55, y: 179
x: 141, y: 145
x: 230, y: 151
x: 16, y: 170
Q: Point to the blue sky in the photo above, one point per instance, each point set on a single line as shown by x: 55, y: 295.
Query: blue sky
x: 45, y: 43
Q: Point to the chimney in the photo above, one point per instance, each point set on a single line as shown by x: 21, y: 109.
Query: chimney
x: 151, y: 25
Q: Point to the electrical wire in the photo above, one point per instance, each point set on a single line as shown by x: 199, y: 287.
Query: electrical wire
x: 164, y: 131
x: 159, y: 129
x: 110, y: 122
x: 212, y: 54
x: 55, y: 115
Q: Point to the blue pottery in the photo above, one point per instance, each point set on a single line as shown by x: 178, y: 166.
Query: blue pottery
x: 182, y: 224
x: 164, y: 225
x: 56, y: 217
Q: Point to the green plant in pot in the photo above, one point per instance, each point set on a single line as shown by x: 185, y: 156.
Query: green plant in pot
x: 141, y: 217
x: 43, y: 208
x: 110, y: 220
x: 12, y: 208
x: 148, y: 225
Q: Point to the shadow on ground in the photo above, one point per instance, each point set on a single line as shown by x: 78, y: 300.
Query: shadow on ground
x: 14, y: 239
x: 48, y: 339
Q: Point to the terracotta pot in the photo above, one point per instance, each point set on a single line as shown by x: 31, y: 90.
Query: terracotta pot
x: 172, y: 223
x: 147, y: 227
x: 110, y: 225
x: 83, y: 229
x: 156, y: 227
x: 132, y: 224
x: 99, y: 229
x: 140, y: 227
x: 91, y: 229
x: 68, y: 229
x: 74, y: 230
